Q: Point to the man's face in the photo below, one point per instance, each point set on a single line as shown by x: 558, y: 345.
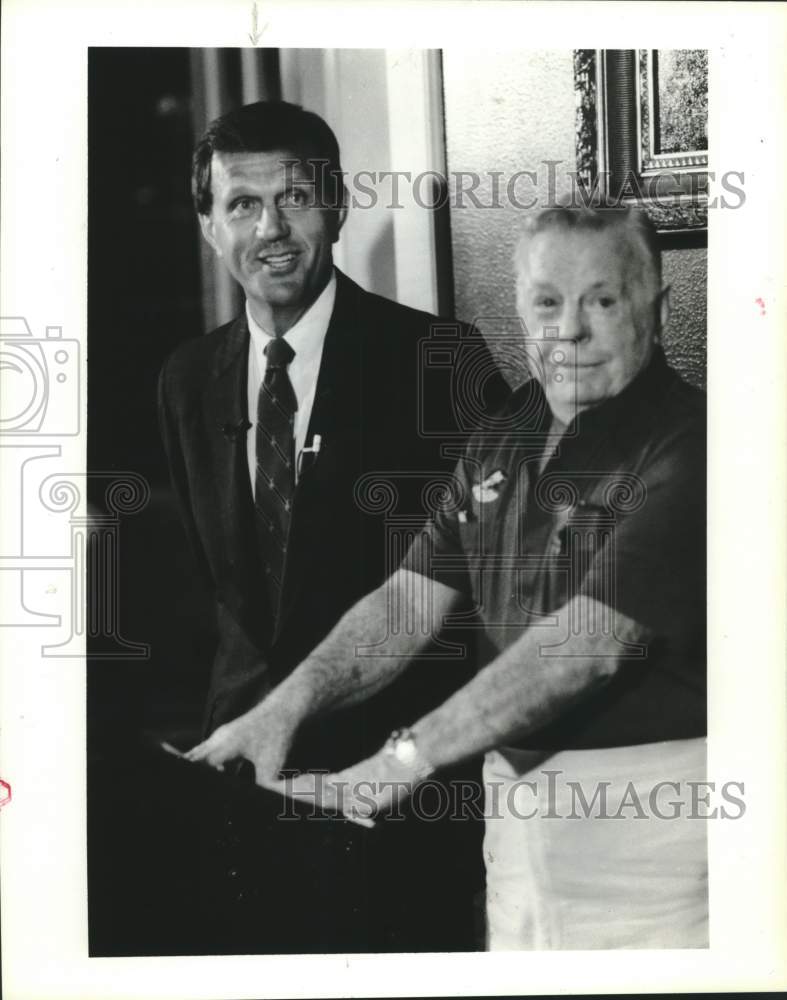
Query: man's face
x: 270, y: 228
x: 582, y: 290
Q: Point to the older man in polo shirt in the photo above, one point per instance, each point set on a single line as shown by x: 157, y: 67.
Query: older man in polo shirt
x: 577, y: 531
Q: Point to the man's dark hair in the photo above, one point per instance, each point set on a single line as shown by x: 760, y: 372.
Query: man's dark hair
x: 264, y: 127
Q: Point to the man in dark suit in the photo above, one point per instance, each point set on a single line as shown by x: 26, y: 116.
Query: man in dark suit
x: 273, y: 424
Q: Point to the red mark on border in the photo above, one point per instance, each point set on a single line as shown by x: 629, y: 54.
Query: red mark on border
x: 5, y: 793
x: 761, y: 304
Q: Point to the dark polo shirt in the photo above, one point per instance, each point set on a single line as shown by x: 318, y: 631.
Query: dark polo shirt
x: 617, y: 513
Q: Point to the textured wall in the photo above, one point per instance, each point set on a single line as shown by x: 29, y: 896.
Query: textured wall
x: 685, y: 339
x: 510, y: 111
x: 504, y: 112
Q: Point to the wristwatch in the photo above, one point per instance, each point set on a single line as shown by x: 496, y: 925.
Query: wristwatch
x: 402, y: 746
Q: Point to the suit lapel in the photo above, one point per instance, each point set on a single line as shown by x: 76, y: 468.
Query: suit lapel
x: 340, y: 366
x: 226, y: 413
x: 335, y: 419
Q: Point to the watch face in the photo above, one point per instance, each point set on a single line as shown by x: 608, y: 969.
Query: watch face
x: 406, y: 752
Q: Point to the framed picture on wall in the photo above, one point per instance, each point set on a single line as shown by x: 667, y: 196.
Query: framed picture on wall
x: 642, y: 131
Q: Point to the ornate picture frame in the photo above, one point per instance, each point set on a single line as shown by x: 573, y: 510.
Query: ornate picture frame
x: 641, y: 132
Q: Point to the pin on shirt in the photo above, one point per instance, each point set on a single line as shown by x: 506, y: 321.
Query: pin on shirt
x: 489, y: 488
x: 484, y: 491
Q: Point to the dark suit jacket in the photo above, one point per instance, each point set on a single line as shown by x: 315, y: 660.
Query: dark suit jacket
x: 378, y: 408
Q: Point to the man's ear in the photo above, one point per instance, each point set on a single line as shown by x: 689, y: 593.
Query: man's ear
x: 206, y: 225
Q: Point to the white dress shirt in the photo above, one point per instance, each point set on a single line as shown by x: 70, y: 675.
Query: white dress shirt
x: 306, y: 338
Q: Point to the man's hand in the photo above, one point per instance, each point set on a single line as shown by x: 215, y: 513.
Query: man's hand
x: 363, y: 792
x: 262, y: 736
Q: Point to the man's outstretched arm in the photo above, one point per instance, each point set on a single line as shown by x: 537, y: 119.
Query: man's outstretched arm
x: 408, y: 607
x: 524, y: 688
x: 530, y: 683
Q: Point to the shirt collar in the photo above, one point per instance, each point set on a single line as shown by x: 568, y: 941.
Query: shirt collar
x: 307, y: 335
x: 639, y: 394
x: 648, y: 385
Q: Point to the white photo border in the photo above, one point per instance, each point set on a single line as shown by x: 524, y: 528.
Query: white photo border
x: 42, y: 745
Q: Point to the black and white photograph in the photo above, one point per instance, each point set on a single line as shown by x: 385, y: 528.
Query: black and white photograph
x: 379, y: 505
x: 310, y: 611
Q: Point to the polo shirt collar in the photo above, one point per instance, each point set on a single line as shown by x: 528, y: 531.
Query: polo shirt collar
x: 642, y: 391
x: 648, y: 386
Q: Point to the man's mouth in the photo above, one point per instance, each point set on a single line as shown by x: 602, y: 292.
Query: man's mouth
x: 278, y: 262
x: 562, y: 361
x: 577, y: 369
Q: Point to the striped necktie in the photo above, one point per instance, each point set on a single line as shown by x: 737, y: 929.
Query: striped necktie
x: 274, y: 484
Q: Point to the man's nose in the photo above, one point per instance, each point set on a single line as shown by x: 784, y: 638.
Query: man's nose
x: 271, y: 224
x: 575, y: 325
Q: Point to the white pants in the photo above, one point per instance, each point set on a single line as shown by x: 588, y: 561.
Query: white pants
x: 564, y: 873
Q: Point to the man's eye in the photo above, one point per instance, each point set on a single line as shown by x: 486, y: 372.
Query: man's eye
x: 243, y: 206
x: 296, y: 198
x: 606, y: 301
x: 545, y: 302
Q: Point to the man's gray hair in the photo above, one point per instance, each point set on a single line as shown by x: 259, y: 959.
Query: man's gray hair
x: 632, y: 221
